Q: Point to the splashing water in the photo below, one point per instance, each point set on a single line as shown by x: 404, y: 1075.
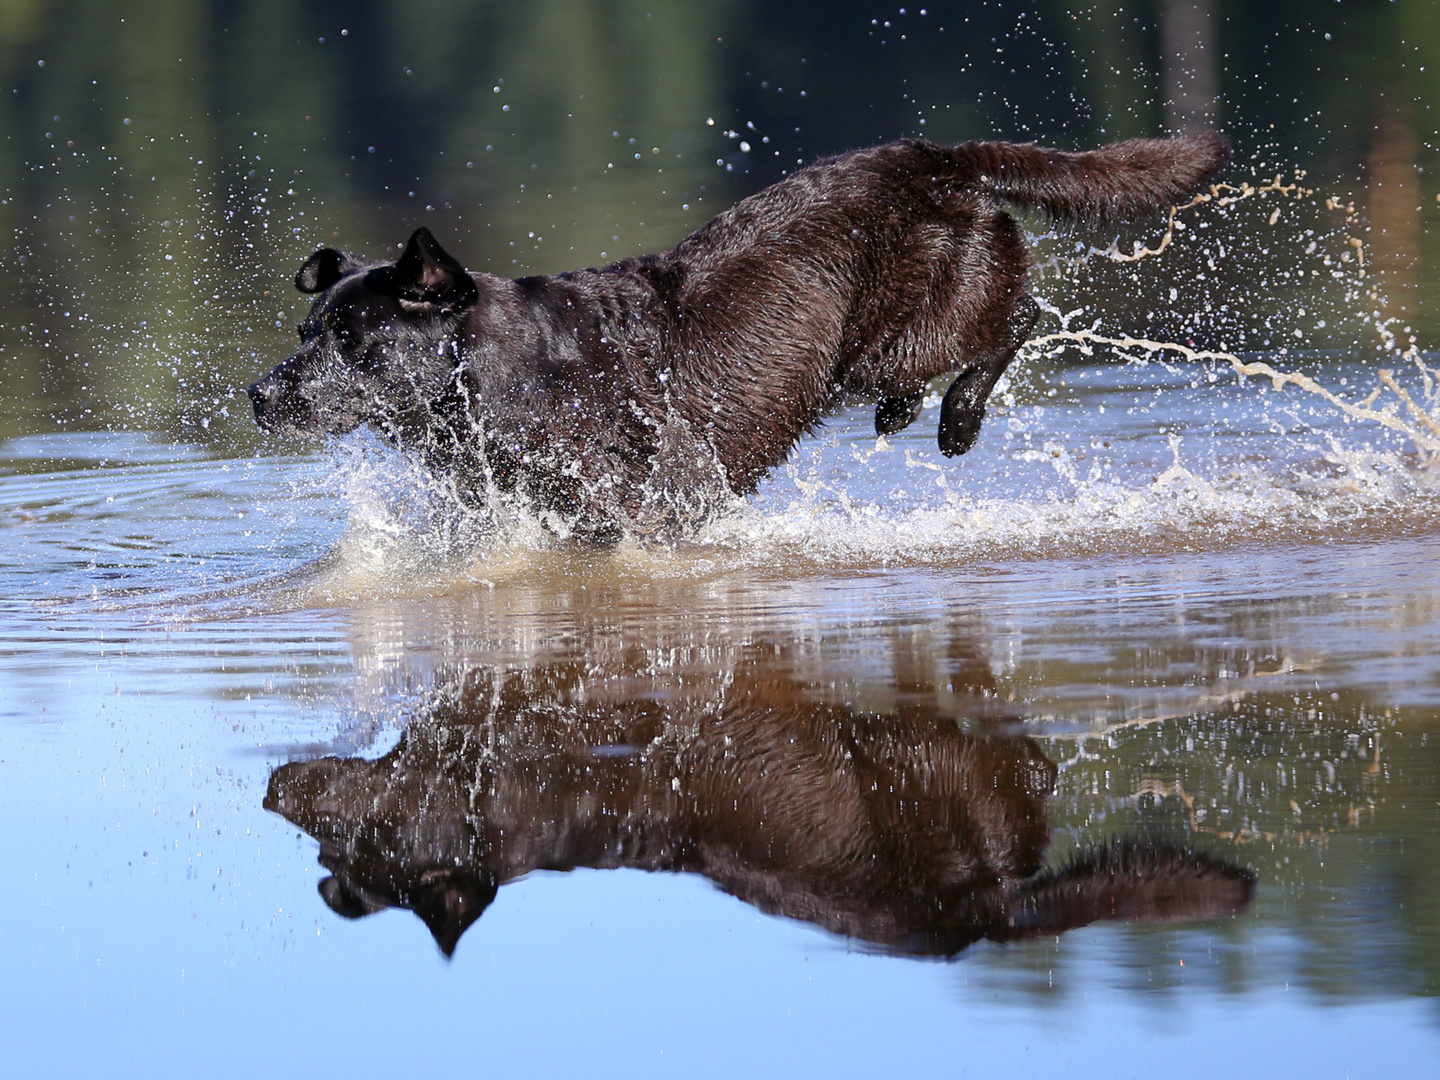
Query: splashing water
x: 1356, y: 290
x: 1098, y: 440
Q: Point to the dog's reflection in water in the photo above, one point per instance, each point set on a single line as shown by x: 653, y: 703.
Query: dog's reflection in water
x: 899, y: 830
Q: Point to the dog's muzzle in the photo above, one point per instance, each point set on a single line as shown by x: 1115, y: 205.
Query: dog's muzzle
x: 278, y: 407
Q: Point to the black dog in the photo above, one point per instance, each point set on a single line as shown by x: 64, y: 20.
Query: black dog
x: 627, y: 397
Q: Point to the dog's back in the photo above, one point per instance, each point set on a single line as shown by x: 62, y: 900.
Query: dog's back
x: 873, y: 272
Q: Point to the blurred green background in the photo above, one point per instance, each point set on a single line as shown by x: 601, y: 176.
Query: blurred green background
x: 165, y: 166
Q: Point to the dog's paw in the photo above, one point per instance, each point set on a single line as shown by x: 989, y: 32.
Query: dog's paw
x: 894, y: 414
x: 961, y: 413
x: 958, y: 436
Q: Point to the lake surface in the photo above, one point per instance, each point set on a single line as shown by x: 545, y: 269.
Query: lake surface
x: 1109, y: 749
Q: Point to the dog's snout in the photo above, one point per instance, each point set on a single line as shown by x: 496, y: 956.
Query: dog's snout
x: 296, y: 399
x: 263, y: 392
x: 277, y: 407
x: 264, y: 398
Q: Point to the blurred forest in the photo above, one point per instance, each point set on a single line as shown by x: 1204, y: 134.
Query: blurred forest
x: 165, y: 166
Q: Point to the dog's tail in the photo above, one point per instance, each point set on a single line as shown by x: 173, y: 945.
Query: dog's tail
x: 1123, y: 180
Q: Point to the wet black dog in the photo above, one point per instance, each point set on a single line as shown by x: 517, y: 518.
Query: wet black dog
x: 626, y: 397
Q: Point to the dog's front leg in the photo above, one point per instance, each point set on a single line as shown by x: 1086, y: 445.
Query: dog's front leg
x: 963, y: 409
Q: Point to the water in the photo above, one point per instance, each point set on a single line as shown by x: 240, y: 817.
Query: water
x: 1210, y: 606
x: 899, y: 732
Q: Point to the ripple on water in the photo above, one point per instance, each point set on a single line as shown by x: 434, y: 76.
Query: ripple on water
x: 1119, y: 460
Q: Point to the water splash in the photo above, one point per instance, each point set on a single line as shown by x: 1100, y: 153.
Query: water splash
x: 1141, y: 445
x: 1417, y: 424
x: 1410, y: 411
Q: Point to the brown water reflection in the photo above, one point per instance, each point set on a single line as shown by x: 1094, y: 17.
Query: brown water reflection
x: 917, y: 825
x: 915, y: 759
x: 901, y: 831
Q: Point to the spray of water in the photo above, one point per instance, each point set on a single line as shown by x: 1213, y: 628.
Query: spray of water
x: 1389, y: 403
x: 1182, y: 459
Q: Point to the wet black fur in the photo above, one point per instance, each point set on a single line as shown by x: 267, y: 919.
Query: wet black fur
x: 617, y: 398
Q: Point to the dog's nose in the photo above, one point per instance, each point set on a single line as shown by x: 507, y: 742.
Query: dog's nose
x: 265, y: 397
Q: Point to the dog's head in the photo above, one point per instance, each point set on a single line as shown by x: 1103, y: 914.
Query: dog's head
x: 378, y: 341
x: 381, y: 847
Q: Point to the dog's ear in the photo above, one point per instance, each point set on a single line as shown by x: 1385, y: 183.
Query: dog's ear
x: 346, y: 901
x: 325, y: 268
x: 449, y: 903
x: 426, y: 273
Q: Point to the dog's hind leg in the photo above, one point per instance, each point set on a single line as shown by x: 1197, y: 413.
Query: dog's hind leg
x: 963, y: 409
x: 894, y: 414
